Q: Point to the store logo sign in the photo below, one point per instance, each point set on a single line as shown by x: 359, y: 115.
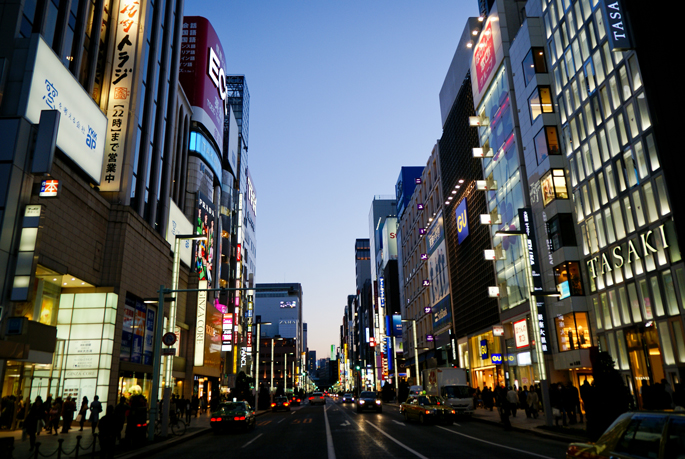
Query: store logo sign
x: 496, y: 358
x: 462, y: 221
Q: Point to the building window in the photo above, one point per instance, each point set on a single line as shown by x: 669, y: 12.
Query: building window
x: 573, y: 331
x: 533, y: 63
x: 567, y: 278
x: 540, y: 102
x: 561, y: 232
x: 553, y: 186
x: 546, y: 143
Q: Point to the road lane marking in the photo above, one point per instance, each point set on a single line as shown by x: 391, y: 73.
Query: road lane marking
x: 263, y: 423
x: 398, y: 422
x: 307, y: 421
x: 282, y: 419
x: 252, y: 440
x: 346, y: 423
x: 495, y: 444
x: 329, y: 437
x: 397, y: 441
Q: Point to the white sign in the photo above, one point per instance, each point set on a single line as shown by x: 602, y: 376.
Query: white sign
x: 200, y: 324
x: 80, y: 373
x: 179, y: 224
x: 82, y: 125
x: 32, y: 210
x: 84, y: 346
x: 119, y: 102
x: 498, y: 330
x: 521, y: 333
x: 524, y: 358
x: 82, y: 361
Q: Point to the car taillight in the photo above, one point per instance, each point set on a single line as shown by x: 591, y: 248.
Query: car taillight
x: 454, y: 412
x: 428, y: 412
x: 273, y: 404
x: 141, y: 425
x: 215, y: 419
x: 311, y: 398
x: 285, y: 404
x: 298, y: 399
x: 239, y: 418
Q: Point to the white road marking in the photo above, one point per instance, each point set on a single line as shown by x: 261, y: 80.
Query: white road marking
x: 346, y: 423
x: 495, y: 444
x: 282, y: 419
x: 329, y: 437
x: 397, y: 441
x: 398, y: 422
x: 252, y: 440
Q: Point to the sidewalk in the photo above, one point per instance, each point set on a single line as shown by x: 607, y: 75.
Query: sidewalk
x: 521, y: 423
x: 49, y: 443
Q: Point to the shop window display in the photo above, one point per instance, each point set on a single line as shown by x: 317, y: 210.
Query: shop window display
x: 573, y: 331
x: 569, y: 273
x: 553, y: 186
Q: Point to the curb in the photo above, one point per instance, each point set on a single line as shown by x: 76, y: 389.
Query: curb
x: 538, y: 432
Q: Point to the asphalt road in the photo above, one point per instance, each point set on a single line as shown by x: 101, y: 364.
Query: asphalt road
x: 337, y: 431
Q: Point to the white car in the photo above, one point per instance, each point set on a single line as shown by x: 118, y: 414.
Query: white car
x: 317, y: 397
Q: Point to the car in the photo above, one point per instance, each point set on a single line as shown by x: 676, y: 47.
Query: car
x: 317, y: 397
x: 231, y: 416
x: 280, y: 403
x: 648, y: 434
x: 427, y: 409
x: 369, y: 400
x: 295, y: 400
x: 348, y: 398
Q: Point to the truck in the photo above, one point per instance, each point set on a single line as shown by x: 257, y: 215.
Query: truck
x: 450, y: 383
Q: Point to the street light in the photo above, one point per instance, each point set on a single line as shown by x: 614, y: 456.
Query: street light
x: 416, y: 351
x: 285, y: 371
x: 532, y: 303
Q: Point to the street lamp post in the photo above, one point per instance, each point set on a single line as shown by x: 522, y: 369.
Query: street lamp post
x: 259, y: 336
x: 394, y: 364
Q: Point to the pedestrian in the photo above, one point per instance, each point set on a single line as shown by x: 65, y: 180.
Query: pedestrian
x: 68, y: 410
x: 555, y: 399
x: 55, y: 413
x: 568, y: 401
x: 533, y: 403
x: 523, y: 400
x: 503, y: 407
x: 95, y: 410
x: 31, y: 423
x: 120, y: 413
x: 83, y: 412
x: 47, y: 406
x: 108, y: 435
x: 196, y: 405
x: 513, y: 400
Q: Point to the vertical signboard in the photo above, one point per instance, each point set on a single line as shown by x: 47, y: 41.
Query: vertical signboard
x: 199, y: 359
x: 119, y: 103
x: 127, y: 329
x: 617, y: 25
x: 138, y: 332
x: 521, y: 333
x: 462, y: 219
x: 487, y: 56
x: 149, y: 345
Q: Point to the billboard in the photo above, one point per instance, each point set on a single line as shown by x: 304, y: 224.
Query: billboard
x: 389, y: 240
x: 487, y: 56
x: 179, y: 224
x: 437, y: 270
x: 202, y: 75
x: 203, y: 250
x: 82, y: 126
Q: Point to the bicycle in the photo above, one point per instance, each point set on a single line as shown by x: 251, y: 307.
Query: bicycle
x: 177, y: 426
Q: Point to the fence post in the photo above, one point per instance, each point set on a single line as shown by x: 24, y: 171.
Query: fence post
x: 78, y: 445
x: 59, y: 448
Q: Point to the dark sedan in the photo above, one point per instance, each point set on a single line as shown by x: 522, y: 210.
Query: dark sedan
x: 232, y: 415
x: 368, y: 400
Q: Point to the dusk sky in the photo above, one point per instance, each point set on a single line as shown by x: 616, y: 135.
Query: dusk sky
x: 342, y: 94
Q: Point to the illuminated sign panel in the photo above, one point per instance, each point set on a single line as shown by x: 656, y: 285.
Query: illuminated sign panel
x: 288, y: 304
x: 496, y: 358
x: 617, y: 25
x: 49, y: 188
x: 462, y: 221
x: 521, y: 333
x: 484, y: 349
x: 82, y: 126
x: 200, y: 324
x: 488, y: 53
x: 119, y: 111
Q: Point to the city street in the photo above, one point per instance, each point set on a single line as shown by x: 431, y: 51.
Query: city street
x: 338, y: 431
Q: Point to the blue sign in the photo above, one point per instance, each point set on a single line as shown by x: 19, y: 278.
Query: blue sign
x: 484, y: 349
x: 496, y: 358
x: 397, y: 324
x: 462, y: 221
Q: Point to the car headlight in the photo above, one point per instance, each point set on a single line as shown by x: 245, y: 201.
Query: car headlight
x: 361, y: 402
x: 378, y: 402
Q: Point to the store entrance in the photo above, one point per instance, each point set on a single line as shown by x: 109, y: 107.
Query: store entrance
x: 646, y: 364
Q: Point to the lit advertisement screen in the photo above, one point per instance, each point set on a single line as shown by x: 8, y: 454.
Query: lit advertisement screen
x: 288, y: 304
x: 203, y: 250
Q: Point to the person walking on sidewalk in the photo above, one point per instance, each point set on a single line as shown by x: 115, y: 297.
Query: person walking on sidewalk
x: 120, y: 413
x: 31, y: 422
x: 108, y: 434
x: 95, y: 410
x: 55, y: 412
x: 83, y: 412
x: 533, y: 403
x: 513, y: 400
x: 503, y: 406
x: 68, y: 410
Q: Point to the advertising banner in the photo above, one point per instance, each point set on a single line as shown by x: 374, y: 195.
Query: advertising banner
x: 82, y: 126
x: 127, y: 329
x: 202, y: 75
x: 213, y: 332
x: 462, y: 221
x: 203, y: 250
x: 119, y: 111
x: 149, y: 345
x: 138, y: 333
x: 437, y: 270
x: 521, y: 333
x: 389, y: 240
x: 179, y: 224
x: 200, y: 322
x: 397, y: 325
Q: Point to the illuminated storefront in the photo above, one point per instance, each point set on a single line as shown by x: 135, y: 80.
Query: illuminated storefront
x: 486, y: 360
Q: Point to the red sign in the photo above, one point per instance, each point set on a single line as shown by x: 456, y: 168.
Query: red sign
x: 372, y: 341
x: 485, y: 57
x: 238, y: 253
x: 521, y: 333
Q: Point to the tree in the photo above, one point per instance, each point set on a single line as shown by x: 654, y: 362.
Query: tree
x: 609, y: 397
